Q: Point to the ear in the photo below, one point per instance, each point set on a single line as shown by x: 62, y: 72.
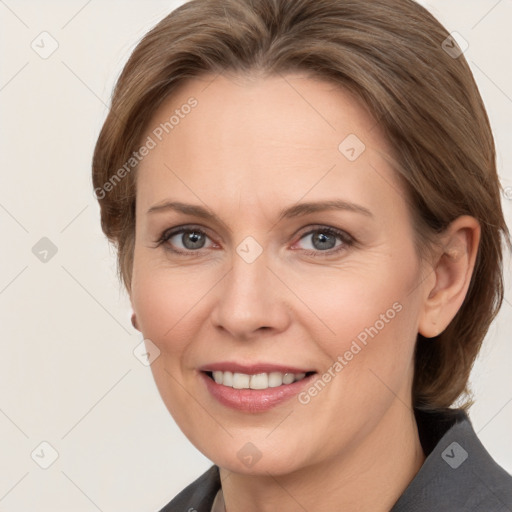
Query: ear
x: 452, y: 270
x: 134, y: 322
x: 134, y: 316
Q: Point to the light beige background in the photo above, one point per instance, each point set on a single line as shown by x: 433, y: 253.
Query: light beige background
x: 68, y: 376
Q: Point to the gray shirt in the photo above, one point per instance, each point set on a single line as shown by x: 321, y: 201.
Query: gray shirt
x: 457, y: 475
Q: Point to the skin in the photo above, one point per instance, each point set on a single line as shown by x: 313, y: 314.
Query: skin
x: 251, y: 148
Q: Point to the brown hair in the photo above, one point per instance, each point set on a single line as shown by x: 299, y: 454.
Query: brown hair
x: 395, y: 56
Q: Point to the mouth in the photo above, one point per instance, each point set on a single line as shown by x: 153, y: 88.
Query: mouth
x: 254, y: 389
x: 256, y: 381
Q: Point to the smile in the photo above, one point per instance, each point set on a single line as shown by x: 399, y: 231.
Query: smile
x: 255, y: 381
x: 256, y: 388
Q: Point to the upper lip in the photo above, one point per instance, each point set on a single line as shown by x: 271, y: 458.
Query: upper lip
x: 251, y: 369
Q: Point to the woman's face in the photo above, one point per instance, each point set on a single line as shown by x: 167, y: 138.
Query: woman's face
x: 272, y: 235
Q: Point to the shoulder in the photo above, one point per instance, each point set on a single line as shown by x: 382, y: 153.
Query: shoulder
x: 458, y: 473
x: 199, y: 495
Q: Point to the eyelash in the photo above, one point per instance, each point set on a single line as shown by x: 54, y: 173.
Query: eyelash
x: 346, y: 239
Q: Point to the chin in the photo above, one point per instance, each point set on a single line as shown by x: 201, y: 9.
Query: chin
x: 255, y: 458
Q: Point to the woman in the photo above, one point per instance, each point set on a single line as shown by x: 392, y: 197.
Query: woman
x: 305, y: 203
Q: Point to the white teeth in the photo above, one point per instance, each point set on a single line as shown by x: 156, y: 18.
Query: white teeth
x: 256, y: 381
x: 227, y: 378
x: 275, y: 379
x: 288, y: 378
x: 241, y: 381
x: 259, y: 381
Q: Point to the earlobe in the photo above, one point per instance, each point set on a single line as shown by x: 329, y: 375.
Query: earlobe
x: 134, y: 322
x: 452, y: 268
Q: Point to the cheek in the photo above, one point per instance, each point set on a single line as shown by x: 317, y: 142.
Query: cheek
x: 368, y: 359
x: 167, y: 303
x: 365, y: 322
x: 350, y: 301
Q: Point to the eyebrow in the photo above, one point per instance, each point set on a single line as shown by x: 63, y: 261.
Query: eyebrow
x: 319, y: 206
x: 290, y: 212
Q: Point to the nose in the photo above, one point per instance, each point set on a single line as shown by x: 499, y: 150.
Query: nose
x: 251, y: 300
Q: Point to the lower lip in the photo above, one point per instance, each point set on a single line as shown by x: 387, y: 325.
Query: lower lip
x: 254, y: 400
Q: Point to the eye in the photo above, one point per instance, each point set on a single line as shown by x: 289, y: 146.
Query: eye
x: 325, y: 239
x: 185, y: 239
x: 189, y: 240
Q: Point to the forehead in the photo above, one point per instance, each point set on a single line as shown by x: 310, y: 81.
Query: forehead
x: 247, y: 139
x: 283, y: 108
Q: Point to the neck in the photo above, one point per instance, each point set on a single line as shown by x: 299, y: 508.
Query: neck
x: 369, y: 477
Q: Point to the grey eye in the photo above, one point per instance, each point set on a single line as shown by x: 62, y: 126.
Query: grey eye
x: 188, y: 239
x: 320, y: 240
x: 193, y: 240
